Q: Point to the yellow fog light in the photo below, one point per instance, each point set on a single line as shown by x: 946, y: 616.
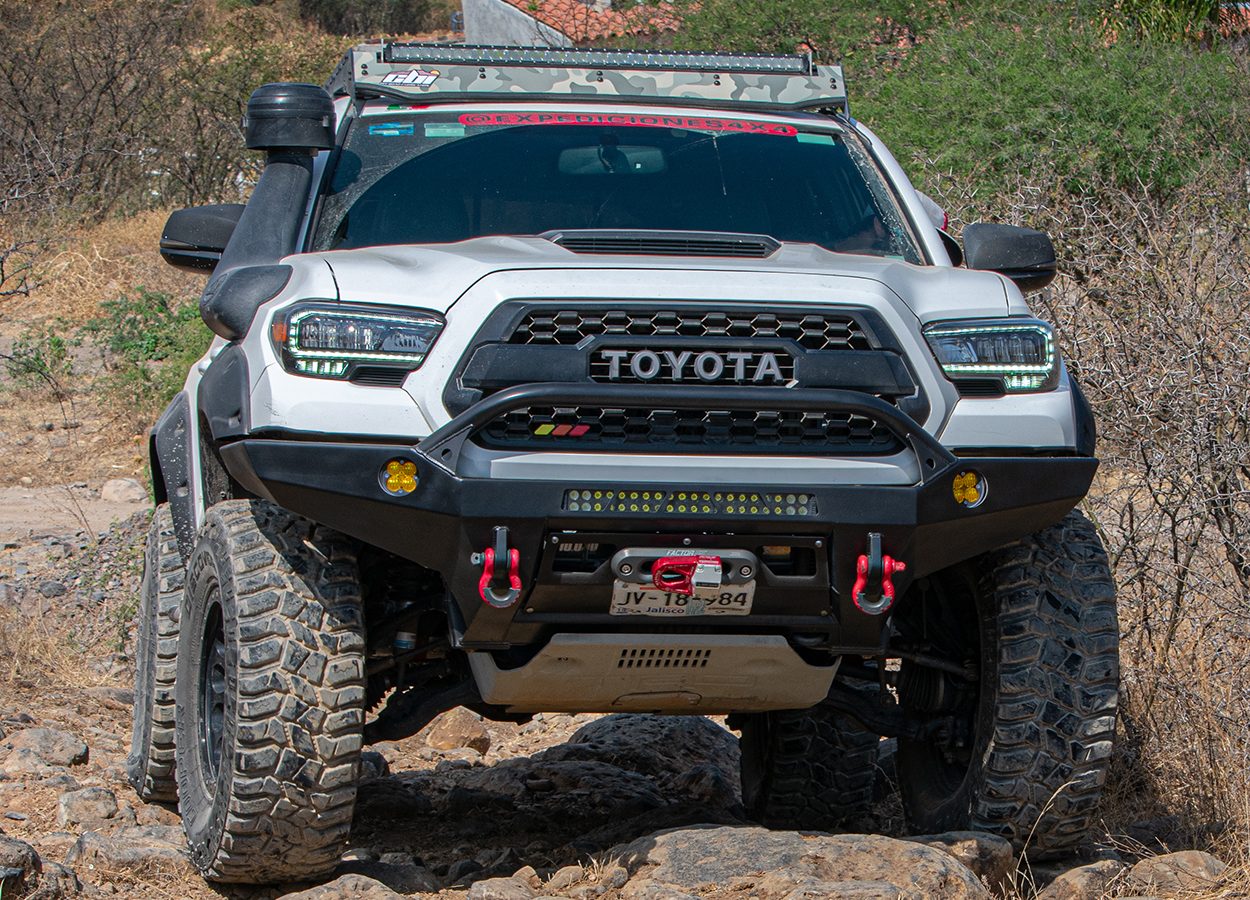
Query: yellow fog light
x: 969, y: 489
x: 399, y: 477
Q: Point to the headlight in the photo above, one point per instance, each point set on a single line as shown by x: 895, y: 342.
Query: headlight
x: 1018, y: 353
x: 337, y: 341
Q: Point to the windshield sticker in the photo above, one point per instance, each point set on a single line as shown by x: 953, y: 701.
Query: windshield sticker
x: 443, y: 130
x: 690, y: 123
x: 412, y: 77
x: 392, y: 129
x: 808, y: 137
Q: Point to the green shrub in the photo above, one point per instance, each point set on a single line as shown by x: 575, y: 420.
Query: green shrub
x: 149, y: 342
x: 41, y: 360
x: 367, y: 19
x: 983, y: 90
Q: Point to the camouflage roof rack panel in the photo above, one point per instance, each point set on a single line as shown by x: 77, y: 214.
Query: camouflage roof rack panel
x: 451, y: 73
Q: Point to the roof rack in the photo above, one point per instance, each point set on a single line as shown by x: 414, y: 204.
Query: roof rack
x: 450, y: 73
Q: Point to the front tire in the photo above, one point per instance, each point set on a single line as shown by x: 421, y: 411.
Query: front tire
x: 150, y: 765
x: 271, y: 693
x: 811, y: 769
x: 1039, y: 617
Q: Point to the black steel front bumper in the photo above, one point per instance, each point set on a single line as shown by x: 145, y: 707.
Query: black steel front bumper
x: 451, y: 516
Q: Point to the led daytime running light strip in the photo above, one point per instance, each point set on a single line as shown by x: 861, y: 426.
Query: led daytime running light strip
x: 1001, y: 368
x: 292, y: 341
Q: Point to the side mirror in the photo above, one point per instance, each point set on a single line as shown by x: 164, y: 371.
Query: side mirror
x: 1025, y: 256
x: 194, y: 238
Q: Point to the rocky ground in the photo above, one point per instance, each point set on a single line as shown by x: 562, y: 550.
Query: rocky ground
x: 629, y: 807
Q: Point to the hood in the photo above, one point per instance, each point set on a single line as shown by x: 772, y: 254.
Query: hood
x: 436, y: 276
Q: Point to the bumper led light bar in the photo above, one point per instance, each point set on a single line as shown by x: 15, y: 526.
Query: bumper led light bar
x: 1019, y: 352
x: 770, y: 504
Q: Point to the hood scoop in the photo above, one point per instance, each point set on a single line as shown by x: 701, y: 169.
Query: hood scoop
x: 645, y: 242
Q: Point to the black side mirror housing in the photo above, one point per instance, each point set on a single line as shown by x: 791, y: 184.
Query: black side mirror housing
x: 1025, y: 256
x: 194, y: 238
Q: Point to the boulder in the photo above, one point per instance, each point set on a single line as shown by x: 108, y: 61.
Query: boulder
x: 123, y: 490
x: 564, y: 878
x: 1084, y: 882
x: 55, y: 748
x: 19, y: 866
x: 373, y: 765
x: 406, y: 877
x: 22, y: 762
x: 1187, y: 870
x: 988, y: 856
x: 56, y: 882
x: 653, y: 745
x: 346, y: 886
x: 90, y: 806
x: 458, y: 728
x: 512, y: 888
x: 691, y: 859
x: 139, y: 846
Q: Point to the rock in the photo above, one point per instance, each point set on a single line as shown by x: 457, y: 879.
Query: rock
x: 988, y: 856
x: 154, y: 846
x: 373, y: 766
x: 55, y: 748
x: 90, y: 806
x: 1084, y: 882
x: 458, y: 728
x: 24, y: 762
x: 351, y: 885
x: 692, y: 858
x: 123, y: 490
x: 56, y: 882
x: 653, y: 745
x: 113, y: 697
x: 16, y: 816
x: 52, y: 589
x: 501, y: 889
x: 529, y: 875
x: 566, y: 877
x: 1188, y: 870
x: 406, y: 877
x: 19, y: 866
x: 787, y: 886
x: 458, y: 870
x: 649, y: 890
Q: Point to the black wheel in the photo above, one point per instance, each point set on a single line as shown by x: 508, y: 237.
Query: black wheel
x: 271, y: 692
x: 1028, y: 757
x: 811, y: 768
x: 150, y: 765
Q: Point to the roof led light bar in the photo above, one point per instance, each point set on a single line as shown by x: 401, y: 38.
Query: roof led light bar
x: 456, y: 73
x: 555, y: 57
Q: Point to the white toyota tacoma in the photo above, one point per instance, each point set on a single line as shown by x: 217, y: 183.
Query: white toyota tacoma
x: 596, y: 381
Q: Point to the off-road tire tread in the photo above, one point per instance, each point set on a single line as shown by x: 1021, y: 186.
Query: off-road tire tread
x: 301, y: 688
x: 150, y: 764
x: 1059, y: 677
x: 819, y: 769
x: 1046, y: 732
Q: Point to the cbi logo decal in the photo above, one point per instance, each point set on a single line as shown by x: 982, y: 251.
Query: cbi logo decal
x: 412, y: 77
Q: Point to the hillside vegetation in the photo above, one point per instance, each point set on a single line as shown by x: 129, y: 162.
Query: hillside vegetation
x: 1123, y: 129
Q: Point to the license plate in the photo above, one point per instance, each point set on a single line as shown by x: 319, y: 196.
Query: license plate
x: 635, y: 600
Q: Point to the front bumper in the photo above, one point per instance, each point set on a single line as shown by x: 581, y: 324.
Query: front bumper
x: 452, y: 516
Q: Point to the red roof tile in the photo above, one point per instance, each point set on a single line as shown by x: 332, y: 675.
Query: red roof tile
x: 581, y: 23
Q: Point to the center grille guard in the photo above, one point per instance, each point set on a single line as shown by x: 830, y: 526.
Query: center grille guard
x: 444, y: 447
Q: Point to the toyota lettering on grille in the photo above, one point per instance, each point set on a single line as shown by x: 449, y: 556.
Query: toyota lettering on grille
x: 747, y: 367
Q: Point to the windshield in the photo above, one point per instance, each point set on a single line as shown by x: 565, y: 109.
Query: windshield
x: 417, y: 177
